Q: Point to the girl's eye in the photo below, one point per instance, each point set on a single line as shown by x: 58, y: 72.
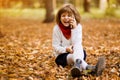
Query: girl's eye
x: 69, y: 15
x: 62, y: 15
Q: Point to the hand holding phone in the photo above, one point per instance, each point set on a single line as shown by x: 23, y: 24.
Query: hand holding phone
x: 72, y: 22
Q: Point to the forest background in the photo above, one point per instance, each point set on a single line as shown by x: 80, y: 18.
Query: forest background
x: 47, y: 8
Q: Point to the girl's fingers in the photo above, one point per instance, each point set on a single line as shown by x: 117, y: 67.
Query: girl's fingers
x: 73, y: 22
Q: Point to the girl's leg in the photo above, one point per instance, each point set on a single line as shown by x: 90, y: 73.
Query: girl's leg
x: 70, y: 59
x: 82, y: 57
x: 79, y: 64
x: 84, y: 64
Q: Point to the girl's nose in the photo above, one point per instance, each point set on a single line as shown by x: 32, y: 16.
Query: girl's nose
x: 66, y: 17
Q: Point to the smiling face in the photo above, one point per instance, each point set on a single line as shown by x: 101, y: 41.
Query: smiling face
x: 64, y: 14
x: 65, y: 19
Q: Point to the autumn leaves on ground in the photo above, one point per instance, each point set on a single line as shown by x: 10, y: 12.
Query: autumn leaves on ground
x: 26, y: 51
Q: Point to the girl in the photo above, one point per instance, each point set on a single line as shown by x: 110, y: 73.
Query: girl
x: 67, y: 41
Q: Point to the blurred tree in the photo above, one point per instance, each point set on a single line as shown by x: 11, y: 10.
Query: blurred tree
x: 103, y: 4
x: 86, y: 5
x: 118, y: 3
x: 97, y: 2
x: 50, y: 7
x: 112, y: 6
x: 1, y: 3
x: 42, y: 3
x: 11, y: 3
x: 4, y: 3
x: 28, y: 3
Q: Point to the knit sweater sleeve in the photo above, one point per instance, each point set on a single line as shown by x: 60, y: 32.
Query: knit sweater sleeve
x: 77, y: 40
x: 56, y: 41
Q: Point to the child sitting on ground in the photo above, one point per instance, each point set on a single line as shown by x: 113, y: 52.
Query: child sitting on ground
x: 67, y: 42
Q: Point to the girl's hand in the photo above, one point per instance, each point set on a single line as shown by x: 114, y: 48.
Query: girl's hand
x: 73, y: 22
x: 69, y: 49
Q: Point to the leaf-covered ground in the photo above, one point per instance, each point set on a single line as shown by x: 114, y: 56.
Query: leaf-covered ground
x: 26, y: 51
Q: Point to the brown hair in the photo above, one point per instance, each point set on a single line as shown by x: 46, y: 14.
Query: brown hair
x: 70, y: 9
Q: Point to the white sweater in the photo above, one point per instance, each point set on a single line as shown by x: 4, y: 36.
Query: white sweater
x: 60, y: 43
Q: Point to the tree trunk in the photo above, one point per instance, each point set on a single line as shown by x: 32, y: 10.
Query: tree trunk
x: 28, y: 3
x: 5, y: 3
x: 97, y: 3
x: 103, y: 4
x: 50, y: 6
x: 87, y: 5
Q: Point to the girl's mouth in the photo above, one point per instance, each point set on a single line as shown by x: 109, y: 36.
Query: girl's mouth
x: 67, y: 22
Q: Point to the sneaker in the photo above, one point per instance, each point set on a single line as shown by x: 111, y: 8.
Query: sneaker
x: 100, y: 66
x: 76, y: 70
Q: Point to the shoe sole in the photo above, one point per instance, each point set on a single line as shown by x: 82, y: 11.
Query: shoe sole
x: 75, y: 72
x: 100, y: 66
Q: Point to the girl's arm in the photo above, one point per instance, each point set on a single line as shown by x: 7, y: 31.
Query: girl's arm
x: 77, y: 41
x: 56, y: 41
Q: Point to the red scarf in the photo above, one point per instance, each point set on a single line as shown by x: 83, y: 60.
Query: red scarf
x: 65, y: 30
